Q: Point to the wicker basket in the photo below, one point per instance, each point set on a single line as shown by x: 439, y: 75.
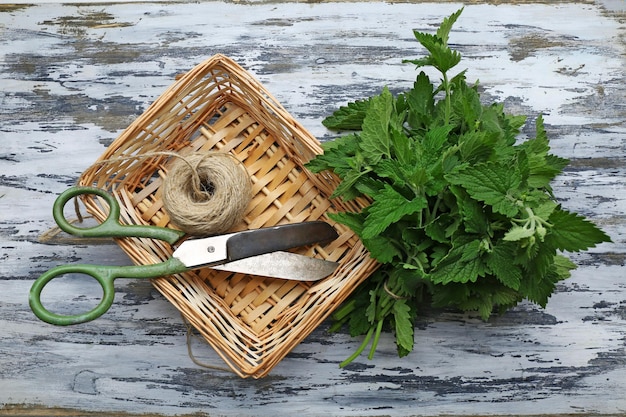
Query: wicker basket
x: 252, y: 322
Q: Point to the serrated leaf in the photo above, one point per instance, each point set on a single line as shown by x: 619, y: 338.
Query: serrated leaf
x: 443, y: 31
x: 477, y: 146
x: 421, y: 62
x: 434, y: 141
x: 391, y: 169
x: 572, y: 232
x: 347, y: 188
x: 375, y: 140
x: 505, y: 297
x: 500, y: 261
x: 444, y: 58
x: 336, y: 156
x: 516, y: 233
x: 358, y: 325
x: 473, y: 213
x: 436, y: 231
x: 382, y: 249
x: 427, y: 40
x: 421, y: 102
x: 388, y: 207
x: 460, y: 271
x: 538, y: 288
x: 403, y: 325
x: 349, y: 117
x: 492, y: 183
x: 463, y: 264
x: 441, y: 56
x: 543, y: 167
x: 466, y: 107
x: 368, y: 186
x: 353, y: 220
x: 545, y: 209
x: 563, y: 266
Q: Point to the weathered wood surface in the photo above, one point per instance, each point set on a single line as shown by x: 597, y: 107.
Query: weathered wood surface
x: 73, y: 76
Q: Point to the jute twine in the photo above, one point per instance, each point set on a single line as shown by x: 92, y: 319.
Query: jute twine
x: 206, y: 193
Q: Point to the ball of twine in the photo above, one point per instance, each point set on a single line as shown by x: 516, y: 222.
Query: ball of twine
x: 206, y: 193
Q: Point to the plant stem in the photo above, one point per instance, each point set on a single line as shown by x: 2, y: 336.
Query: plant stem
x: 379, y: 329
x: 361, y: 348
x: 433, y: 213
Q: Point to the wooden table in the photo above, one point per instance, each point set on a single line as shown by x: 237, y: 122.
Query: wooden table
x: 73, y: 76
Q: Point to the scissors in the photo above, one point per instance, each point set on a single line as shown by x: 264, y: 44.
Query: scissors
x: 250, y: 251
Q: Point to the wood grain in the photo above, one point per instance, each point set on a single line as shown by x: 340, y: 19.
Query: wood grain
x: 74, y: 76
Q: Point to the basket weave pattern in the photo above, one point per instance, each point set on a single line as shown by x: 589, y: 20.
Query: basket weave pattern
x: 252, y: 322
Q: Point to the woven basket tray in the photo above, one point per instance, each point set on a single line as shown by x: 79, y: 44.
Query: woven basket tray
x: 252, y: 322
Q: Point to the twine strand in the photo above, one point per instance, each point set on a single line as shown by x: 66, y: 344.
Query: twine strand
x: 189, y: 339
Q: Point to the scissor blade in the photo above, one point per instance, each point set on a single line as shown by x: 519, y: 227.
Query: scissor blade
x: 283, y: 265
x: 271, y: 239
x: 221, y: 249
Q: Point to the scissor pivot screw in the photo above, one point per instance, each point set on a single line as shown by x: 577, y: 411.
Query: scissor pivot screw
x: 210, y: 249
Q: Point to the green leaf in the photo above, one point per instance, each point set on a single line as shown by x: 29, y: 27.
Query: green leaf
x: 563, y: 266
x: 393, y: 170
x: 434, y: 141
x: 401, y: 146
x: 421, y: 102
x: 463, y: 264
x: 444, y: 58
x: 349, y: 117
x: 375, y: 139
x: 404, y: 326
x: 543, y: 167
x: 545, y: 209
x: 371, y: 310
x: 436, y: 230
x: 466, y: 107
x: 382, y: 249
x: 477, y: 146
x: 460, y: 271
x: 572, y: 232
x: 505, y: 297
x: 500, y: 263
x: 493, y: 182
x: 539, y: 288
x: 475, y: 219
x: 516, y: 233
x: 337, y: 155
x: 353, y: 220
x: 444, y: 29
x: 441, y: 57
x: 358, y: 323
x: 348, y: 188
x: 388, y: 207
x: 369, y: 185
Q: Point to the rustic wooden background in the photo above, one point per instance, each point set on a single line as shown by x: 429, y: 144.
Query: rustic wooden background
x: 72, y: 76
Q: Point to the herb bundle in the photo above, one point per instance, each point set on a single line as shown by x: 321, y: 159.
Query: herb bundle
x: 461, y: 214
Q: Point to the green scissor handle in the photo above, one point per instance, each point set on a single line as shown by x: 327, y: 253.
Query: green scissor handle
x: 105, y: 275
x: 111, y: 227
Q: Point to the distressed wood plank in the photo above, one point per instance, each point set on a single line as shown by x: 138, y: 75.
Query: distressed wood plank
x: 73, y: 76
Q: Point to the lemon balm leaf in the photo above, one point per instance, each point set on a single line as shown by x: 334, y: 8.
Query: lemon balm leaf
x: 389, y: 207
x: 493, y: 183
